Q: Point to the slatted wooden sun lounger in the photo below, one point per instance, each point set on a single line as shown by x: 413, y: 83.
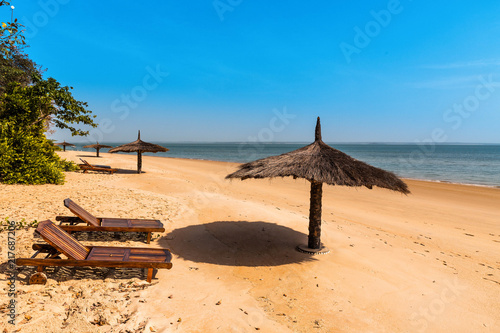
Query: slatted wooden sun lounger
x: 70, y: 223
x: 60, y: 242
x: 86, y: 166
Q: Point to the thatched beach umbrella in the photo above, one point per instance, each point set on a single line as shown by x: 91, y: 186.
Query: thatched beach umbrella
x: 97, y: 147
x: 320, y: 163
x: 64, y: 144
x: 139, y: 147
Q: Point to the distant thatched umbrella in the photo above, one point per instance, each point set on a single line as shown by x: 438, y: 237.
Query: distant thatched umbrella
x: 64, y: 144
x: 140, y: 147
x: 320, y: 163
x: 97, y: 147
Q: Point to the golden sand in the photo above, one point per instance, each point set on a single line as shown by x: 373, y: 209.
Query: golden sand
x: 427, y: 262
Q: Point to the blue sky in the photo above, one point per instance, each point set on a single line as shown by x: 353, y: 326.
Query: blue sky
x: 238, y: 70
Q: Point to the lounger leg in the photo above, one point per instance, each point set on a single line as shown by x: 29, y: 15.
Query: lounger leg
x: 150, y: 275
x: 148, y: 240
x: 39, y: 268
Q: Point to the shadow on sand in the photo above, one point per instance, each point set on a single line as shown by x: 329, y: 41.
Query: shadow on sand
x: 108, y: 236
x: 237, y: 243
x: 127, y: 171
x: 119, y: 171
x: 89, y: 156
x: 64, y: 273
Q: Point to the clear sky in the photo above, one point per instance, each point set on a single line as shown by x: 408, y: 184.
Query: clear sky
x: 239, y: 70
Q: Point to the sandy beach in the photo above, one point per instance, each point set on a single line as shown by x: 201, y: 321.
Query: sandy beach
x: 426, y: 262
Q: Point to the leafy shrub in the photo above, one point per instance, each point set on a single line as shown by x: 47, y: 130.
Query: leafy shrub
x: 69, y: 165
x: 26, y: 158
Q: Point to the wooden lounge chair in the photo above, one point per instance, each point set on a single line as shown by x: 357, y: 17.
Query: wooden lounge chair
x: 60, y: 242
x: 86, y: 166
x: 70, y: 223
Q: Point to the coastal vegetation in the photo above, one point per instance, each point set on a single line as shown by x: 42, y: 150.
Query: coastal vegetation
x: 30, y: 106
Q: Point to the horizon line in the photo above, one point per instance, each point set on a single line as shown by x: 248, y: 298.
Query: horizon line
x: 306, y: 142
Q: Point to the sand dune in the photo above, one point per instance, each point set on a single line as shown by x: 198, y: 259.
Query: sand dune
x: 427, y: 262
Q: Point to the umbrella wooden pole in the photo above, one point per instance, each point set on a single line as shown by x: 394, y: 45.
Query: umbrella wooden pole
x: 139, y: 162
x: 97, y: 152
x: 64, y: 148
x: 314, y: 241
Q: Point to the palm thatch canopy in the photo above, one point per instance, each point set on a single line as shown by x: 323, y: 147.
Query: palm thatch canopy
x: 97, y: 147
x: 320, y: 163
x: 139, y: 147
x: 64, y: 144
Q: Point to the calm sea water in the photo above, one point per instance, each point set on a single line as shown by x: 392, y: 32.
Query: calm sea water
x: 468, y: 164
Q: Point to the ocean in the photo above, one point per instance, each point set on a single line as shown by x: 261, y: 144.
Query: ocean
x: 456, y: 163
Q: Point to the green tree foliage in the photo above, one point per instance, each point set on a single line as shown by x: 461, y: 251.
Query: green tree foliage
x: 15, y: 65
x: 29, y: 106
x: 47, y: 103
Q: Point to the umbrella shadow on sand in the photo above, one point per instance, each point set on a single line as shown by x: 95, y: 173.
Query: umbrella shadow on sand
x: 237, y: 243
x: 88, y: 156
x: 128, y: 171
